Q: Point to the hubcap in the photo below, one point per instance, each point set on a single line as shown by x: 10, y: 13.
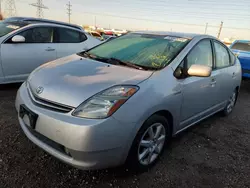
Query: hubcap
x: 231, y: 103
x: 151, y: 144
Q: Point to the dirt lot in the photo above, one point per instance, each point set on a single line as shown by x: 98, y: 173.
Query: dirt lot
x: 214, y: 153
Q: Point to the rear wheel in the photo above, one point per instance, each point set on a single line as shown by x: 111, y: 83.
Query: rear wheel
x: 231, y: 103
x: 149, y: 143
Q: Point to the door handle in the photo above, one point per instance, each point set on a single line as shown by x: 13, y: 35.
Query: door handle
x: 50, y: 49
x: 213, y: 82
x: 233, y: 75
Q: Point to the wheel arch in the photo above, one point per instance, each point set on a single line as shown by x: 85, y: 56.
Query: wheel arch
x: 237, y: 90
x: 168, y: 116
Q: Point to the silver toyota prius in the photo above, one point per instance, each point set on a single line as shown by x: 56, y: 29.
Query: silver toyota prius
x: 120, y: 102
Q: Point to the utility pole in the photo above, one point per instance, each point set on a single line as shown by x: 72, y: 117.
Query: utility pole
x: 69, y: 10
x: 0, y: 6
x: 95, y: 21
x: 40, y: 6
x: 10, y: 8
x: 206, y: 28
x: 221, y: 25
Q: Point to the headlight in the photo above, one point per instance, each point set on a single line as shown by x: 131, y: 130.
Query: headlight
x: 104, y: 104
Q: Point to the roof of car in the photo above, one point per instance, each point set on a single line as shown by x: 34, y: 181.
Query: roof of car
x: 42, y: 20
x: 176, y: 34
x: 243, y: 41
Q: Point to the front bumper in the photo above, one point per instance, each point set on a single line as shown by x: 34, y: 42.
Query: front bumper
x: 83, y: 143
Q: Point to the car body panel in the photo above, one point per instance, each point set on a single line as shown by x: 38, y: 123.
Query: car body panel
x: 27, y: 57
x: 72, y: 80
x: 18, y: 60
x: 67, y: 49
x: 83, y: 76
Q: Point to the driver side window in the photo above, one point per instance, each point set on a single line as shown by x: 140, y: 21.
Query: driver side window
x: 201, y: 54
x: 38, y: 35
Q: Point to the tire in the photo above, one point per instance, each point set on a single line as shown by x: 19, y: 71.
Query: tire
x: 230, y: 104
x: 144, y: 153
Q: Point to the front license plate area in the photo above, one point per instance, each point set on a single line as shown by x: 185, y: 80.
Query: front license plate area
x: 28, y: 116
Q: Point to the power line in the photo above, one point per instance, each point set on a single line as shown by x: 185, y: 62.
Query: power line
x: 192, y: 15
x: 69, y: 10
x: 216, y: 2
x: 172, y: 6
x: 160, y: 21
x: 144, y: 19
x: 170, y: 10
x: 40, y: 6
x: 10, y: 8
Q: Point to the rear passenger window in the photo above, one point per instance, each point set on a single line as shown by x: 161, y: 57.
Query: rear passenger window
x: 38, y: 35
x: 222, y: 56
x: 201, y: 54
x: 70, y: 36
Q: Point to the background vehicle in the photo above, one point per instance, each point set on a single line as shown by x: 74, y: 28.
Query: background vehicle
x: 119, y: 32
x: 96, y: 35
x: 108, y: 37
x: 242, y: 50
x: 123, y: 100
x: 26, y: 45
x: 41, y: 20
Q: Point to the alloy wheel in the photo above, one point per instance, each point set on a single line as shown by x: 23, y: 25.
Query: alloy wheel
x: 231, y: 103
x: 151, y: 144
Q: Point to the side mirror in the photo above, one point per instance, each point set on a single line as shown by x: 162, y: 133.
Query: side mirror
x: 200, y: 70
x: 18, y: 39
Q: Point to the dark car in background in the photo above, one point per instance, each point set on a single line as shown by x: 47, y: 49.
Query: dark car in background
x: 241, y: 49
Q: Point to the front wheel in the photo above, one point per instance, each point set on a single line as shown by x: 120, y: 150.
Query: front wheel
x: 149, y: 143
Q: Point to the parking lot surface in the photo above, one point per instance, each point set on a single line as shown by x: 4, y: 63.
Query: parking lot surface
x: 213, y: 153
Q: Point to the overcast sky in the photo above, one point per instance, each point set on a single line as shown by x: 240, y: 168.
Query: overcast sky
x: 175, y: 15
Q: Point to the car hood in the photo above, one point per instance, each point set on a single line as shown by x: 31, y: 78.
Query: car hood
x: 73, y: 79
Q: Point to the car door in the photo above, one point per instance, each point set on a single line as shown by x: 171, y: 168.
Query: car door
x: 199, y: 93
x: 225, y: 76
x: 233, y: 71
x: 20, y: 59
x: 70, y: 41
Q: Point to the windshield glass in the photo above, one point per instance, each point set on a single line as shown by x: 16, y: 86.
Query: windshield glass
x: 7, y: 27
x: 155, y: 51
x: 241, y: 46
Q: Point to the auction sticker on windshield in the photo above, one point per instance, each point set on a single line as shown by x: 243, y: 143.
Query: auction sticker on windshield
x: 176, y: 39
x: 13, y: 26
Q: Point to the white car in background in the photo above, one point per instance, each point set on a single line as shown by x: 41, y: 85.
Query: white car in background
x: 25, y: 45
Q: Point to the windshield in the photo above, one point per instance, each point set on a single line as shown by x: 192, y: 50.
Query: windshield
x: 153, y: 51
x: 7, y: 27
x: 241, y: 46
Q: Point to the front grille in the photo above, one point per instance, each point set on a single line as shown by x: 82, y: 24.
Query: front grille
x: 245, y: 71
x: 48, y: 104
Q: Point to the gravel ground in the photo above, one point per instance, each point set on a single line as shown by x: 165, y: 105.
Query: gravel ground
x: 214, y: 153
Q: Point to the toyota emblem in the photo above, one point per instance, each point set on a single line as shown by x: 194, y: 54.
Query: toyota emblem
x: 39, y: 90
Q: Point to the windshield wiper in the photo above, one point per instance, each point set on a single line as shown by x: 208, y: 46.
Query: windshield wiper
x: 87, y: 54
x: 115, y: 61
x: 125, y: 63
